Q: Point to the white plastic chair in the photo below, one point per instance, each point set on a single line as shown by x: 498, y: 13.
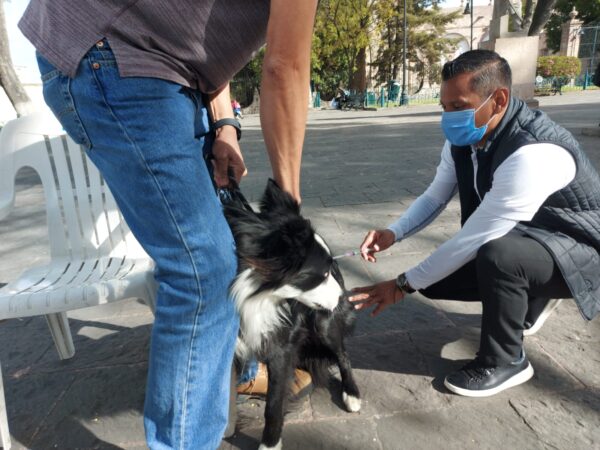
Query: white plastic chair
x: 94, y: 257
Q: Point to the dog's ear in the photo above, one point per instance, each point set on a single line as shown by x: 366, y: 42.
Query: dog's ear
x: 244, y: 223
x: 250, y: 234
x: 275, y: 200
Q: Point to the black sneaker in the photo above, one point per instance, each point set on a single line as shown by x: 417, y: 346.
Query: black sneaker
x: 532, y: 327
x: 477, y: 380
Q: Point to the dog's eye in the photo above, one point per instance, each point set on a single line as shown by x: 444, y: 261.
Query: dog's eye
x: 326, y: 275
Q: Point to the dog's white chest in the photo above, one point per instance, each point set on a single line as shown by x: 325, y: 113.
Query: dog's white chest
x: 260, y: 314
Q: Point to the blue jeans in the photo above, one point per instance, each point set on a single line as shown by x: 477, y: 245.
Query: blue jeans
x: 147, y: 137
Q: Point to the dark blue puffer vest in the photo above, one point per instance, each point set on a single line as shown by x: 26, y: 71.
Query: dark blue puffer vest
x: 568, y: 223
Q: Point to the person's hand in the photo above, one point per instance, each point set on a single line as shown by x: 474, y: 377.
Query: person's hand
x: 376, y: 241
x: 227, y: 154
x: 380, y: 295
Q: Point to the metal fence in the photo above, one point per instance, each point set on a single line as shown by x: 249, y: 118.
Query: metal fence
x: 431, y: 96
x: 558, y: 85
x: 381, y: 98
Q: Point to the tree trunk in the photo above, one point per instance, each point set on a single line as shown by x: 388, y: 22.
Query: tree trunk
x: 8, y: 78
x: 543, y: 11
x: 529, y: 5
x: 500, y: 8
x: 359, y: 77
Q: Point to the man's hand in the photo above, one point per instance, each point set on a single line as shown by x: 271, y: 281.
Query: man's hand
x: 227, y: 154
x: 376, y: 241
x: 380, y: 295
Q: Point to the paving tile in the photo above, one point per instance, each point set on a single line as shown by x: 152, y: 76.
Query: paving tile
x: 465, y: 427
x: 338, y: 434
x: 360, y: 171
x: 101, y: 409
x: 30, y: 401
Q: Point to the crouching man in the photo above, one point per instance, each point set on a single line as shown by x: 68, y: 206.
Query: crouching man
x: 530, y: 215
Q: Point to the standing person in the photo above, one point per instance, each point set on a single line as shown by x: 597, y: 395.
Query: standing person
x: 143, y: 86
x: 237, y: 109
x: 530, y: 214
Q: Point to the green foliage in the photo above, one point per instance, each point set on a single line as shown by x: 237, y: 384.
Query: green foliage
x: 587, y: 10
x: 558, y: 66
x: 347, y: 30
x: 341, y: 32
x: 247, y: 80
x: 425, y: 42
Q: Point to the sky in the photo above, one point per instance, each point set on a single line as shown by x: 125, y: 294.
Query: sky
x: 23, y: 53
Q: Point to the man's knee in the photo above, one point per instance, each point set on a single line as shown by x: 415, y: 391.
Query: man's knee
x: 496, y: 255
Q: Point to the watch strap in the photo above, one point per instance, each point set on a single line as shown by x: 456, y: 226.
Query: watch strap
x: 229, y: 121
x: 402, y: 284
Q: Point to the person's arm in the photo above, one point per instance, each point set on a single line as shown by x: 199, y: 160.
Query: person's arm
x: 226, y: 149
x: 432, y: 202
x: 419, y: 214
x: 284, y: 88
x: 521, y: 185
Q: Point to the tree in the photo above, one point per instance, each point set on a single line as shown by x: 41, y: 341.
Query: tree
x: 247, y: 80
x: 426, y: 44
x: 541, y: 14
x: 588, y: 11
x: 8, y: 78
x: 340, y: 43
x: 533, y: 19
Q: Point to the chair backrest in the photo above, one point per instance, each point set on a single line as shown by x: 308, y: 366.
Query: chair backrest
x: 83, y: 219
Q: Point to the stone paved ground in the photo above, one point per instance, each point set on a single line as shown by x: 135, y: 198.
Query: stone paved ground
x: 360, y: 170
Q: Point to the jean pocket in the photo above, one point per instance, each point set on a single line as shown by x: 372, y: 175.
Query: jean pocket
x: 47, y: 70
x: 56, y: 89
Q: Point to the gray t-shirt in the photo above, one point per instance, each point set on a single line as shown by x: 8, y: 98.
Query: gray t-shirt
x: 196, y: 43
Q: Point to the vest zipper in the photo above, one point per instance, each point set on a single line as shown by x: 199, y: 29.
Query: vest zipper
x: 475, y: 167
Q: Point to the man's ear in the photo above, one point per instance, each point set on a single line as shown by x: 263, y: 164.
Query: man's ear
x: 501, y: 99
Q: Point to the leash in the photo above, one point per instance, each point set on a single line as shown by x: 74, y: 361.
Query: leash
x: 231, y: 195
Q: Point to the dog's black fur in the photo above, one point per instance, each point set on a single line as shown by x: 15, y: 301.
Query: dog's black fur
x: 277, y: 247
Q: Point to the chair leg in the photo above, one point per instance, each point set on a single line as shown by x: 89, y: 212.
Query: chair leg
x: 4, y: 434
x: 230, y: 430
x: 61, y: 333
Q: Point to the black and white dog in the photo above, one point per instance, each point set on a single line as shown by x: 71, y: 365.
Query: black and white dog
x: 290, y: 295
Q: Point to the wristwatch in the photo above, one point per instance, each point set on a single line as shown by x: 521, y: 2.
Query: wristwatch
x: 229, y: 121
x: 402, y: 284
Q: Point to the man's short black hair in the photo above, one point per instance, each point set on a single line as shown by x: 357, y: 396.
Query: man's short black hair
x: 490, y: 71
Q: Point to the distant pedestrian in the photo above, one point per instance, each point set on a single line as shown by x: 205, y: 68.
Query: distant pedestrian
x: 556, y: 86
x: 237, y: 109
x: 530, y: 214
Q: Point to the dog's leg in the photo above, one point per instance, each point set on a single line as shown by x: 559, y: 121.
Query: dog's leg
x: 335, y: 341
x: 350, y: 394
x: 280, y: 368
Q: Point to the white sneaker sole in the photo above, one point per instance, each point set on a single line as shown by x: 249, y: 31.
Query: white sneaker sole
x: 548, y: 309
x: 515, y: 380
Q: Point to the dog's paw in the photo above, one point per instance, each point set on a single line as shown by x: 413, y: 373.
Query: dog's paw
x: 276, y: 447
x: 352, y: 403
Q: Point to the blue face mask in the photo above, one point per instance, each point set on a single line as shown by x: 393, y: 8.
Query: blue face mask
x: 459, y: 126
